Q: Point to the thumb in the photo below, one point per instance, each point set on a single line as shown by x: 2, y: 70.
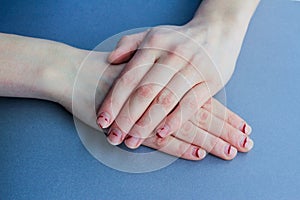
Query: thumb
x: 126, y: 48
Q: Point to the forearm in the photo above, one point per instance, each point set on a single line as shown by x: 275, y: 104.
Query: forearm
x: 25, y: 64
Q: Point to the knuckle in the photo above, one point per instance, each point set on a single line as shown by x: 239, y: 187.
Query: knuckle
x: 145, y: 91
x: 187, y: 127
x: 203, y: 118
x: 165, y: 98
x: 189, y: 103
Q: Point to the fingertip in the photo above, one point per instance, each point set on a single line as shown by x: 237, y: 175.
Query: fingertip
x: 163, y: 131
x: 230, y: 152
x: 248, y: 129
x: 114, y: 137
x: 103, y: 120
x: 200, y: 153
x: 132, y: 142
x: 245, y: 128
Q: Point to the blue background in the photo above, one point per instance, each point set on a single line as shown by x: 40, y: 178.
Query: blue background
x: 42, y: 157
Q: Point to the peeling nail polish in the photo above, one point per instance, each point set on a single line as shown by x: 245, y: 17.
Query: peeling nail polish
x: 248, y: 143
x: 163, y: 132
x: 229, y: 150
x: 199, y: 153
x: 114, y: 136
x: 244, y: 128
x: 128, y: 137
x: 132, y: 142
x: 103, y: 119
x: 244, y: 142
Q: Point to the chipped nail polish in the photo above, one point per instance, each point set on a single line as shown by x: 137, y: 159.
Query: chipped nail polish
x: 197, y: 152
x: 229, y: 150
x: 244, y: 142
x: 247, y: 143
x: 103, y: 120
x: 163, y: 132
x: 114, y: 136
x: 245, y: 128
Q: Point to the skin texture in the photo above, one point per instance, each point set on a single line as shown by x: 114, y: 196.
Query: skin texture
x: 51, y: 69
x: 172, y: 71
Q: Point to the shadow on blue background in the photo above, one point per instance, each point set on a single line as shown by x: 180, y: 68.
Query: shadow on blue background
x: 42, y: 157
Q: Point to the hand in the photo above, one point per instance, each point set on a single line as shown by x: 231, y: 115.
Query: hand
x: 51, y: 70
x: 196, y: 137
x: 175, y: 68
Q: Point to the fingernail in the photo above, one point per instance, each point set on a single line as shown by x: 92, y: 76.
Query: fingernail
x: 230, y: 150
x: 245, y: 128
x: 246, y: 143
x: 114, y: 137
x: 103, y: 120
x: 199, y: 153
x: 163, y: 132
x: 132, y: 142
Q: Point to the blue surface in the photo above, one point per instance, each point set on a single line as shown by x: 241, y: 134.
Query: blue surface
x: 42, y: 157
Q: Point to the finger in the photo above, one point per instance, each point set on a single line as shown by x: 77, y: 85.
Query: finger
x: 221, y: 129
x: 210, y: 143
x: 155, y: 79
x: 189, y: 104
x: 126, y: 47
x: 163, y: 103
x: 220, y: 111
x: 130, y: 77
x: 175, y: 147
x: 206, y: 83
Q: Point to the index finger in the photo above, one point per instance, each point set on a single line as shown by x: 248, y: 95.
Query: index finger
x: 132, y: 74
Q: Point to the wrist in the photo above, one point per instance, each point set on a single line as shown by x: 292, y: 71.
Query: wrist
x: 59, y: 74
x: 231, y: 14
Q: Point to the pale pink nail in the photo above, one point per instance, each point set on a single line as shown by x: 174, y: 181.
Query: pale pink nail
x: 245, y: 128
x: 115, y: 136
x: 103, y: 120
x: 199, y: 153
x: 132, y: 142
x: 163, y: 132
x: 246, y: 143
x: 230, y: 150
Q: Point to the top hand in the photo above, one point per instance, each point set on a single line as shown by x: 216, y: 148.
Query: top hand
x: 186, y: 64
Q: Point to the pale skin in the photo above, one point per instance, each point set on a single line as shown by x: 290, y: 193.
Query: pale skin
x: 173, y: 71
x: 43, y: 69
